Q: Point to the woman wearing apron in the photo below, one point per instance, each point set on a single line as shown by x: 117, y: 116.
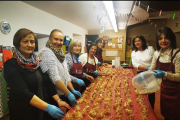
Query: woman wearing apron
x: 166, y: 61
x: 89, y: 63
x: 98, y: 55
x: 57, y: 69
x: 74, y: 66
x: 142, y: 58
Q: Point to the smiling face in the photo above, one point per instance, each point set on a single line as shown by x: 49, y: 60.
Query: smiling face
x: 76, y: 48
x: 138, y: 43
x: 57, y: 39
x: 27, y: 45
x: 164, y: 43
x: 93, y: 50
x: 100, y: 44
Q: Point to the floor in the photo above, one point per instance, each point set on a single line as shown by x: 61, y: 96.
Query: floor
x: 156, y: 109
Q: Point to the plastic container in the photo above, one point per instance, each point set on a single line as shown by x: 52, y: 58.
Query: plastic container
x: 146, y: 82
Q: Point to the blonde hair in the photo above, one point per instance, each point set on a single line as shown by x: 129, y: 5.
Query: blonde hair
x: 72, y: 44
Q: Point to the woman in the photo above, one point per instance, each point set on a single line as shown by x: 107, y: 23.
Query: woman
x: 166, y: 61
x: 29, y: 86
x: 142, y: 58
x: 98, y: 55
x: 54, y: 58
x: 89, y: 63
x: 74, y: 66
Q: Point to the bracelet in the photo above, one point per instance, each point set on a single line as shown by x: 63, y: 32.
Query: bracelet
x: 59, y: 100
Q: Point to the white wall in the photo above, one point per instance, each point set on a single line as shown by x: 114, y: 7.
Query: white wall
x: 22, y: 15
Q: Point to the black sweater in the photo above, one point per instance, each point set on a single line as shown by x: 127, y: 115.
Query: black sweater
x: 23, y: 86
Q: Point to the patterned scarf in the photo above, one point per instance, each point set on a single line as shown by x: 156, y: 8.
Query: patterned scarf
x: 31, y: 64
x: 59, y: 53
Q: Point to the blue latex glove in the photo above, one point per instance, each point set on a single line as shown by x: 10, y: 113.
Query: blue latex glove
x: 140, y: 79
x: 80, y: 82
x: 99, y: 63
x: 147, y: 68
x: 72, y: 99
x: 159, y: 73
x: 76, y: 92
x: 96, y: 72
x: 54, y: 111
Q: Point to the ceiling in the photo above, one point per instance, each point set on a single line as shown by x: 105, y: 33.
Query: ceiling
x: 92, y: 15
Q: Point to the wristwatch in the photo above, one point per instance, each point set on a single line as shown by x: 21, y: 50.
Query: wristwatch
x: 59, y: 100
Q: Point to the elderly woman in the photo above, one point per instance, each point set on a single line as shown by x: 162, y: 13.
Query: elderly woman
x: 74, y: 66
x: 166, y: 65
x: 57, y: 69
x: 98, y: 55
x: 89, y: 63
x: 29, y: 86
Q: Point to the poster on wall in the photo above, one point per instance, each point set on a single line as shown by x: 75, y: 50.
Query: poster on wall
x: 109, y: 43
x: 120, y: 39
x: 120, y: 46
x: 113, y: 45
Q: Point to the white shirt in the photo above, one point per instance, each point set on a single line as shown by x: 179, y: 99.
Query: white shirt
x: 166, y: 58
x: 56, y: 70
x: 142, y: 57
x: 83, y: 59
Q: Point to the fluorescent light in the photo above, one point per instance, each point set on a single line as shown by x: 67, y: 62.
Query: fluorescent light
x: 110, y: 9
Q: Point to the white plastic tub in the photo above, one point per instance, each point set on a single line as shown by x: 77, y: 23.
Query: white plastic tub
x: 146, y: 82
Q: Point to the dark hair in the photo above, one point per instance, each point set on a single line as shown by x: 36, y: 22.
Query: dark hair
x: 168, y: 35
x: 20, y: 34
x: 55, y: 31
x: 98, y: 40
x: 90, y: 46
x: 144, y: 45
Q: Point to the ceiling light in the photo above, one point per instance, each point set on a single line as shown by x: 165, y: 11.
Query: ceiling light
x: 110, y: 9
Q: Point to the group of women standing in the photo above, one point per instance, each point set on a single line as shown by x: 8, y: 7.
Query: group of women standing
x: 43, y: 87
x: 165, y: 63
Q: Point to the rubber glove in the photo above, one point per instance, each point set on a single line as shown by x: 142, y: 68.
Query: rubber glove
x: 54, y: 111
x: 76, y: 92
x: 80, y: 82
x: 159, y: 73
x: 147, y: 68
x: 72, y: 99
x: 140, y: 79
x: 96, y: 72
x: 99, y: 63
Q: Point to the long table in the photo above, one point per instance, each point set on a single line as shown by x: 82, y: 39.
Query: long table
x: 112, y: 97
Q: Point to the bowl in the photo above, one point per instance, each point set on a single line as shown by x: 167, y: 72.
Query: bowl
x: 146, y: 82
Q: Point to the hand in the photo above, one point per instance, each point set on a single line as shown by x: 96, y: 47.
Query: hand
x: 99, y: 63
x: 80, y: 82
x: 72, y: 99
x: 140, y: 79
x: 76, y: 92
x: 63, y: 104
x: 96, y: 72
x: 147, y: 68
x: 54, y: 111
x: 90, y: 78
x: 159, y: 73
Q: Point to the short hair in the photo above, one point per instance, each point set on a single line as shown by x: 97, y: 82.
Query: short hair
x: 98, y: 40
x: 168, y: 35
x: 90, y: 46
x: 144, y: 45
x: 22, y: 33
x: 55, y: 30
x: 72, y: 44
